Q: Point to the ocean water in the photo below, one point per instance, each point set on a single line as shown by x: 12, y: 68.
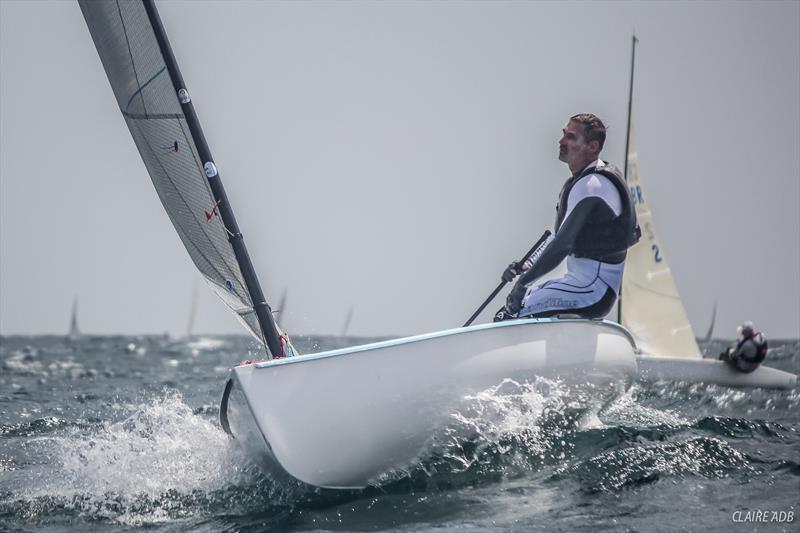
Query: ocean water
x: 121, y: 434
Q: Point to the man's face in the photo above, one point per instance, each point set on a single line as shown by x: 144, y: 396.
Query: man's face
x: 573, y: 148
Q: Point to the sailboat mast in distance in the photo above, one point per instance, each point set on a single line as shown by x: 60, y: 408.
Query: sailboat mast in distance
x: 347, y: 321
x: 153, y: 98
x: 280, y: 312
x: 74, y: 330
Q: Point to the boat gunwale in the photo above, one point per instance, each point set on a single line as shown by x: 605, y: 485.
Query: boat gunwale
x: 438, y: 334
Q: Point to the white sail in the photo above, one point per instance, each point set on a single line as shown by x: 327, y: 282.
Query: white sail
x: 160, y: 115
x: 651, y: 308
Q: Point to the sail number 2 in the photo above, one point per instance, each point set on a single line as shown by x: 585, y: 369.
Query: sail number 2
x: 656, y: 253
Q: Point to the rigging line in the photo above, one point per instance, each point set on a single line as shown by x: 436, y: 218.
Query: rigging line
x: 141, y: 88
x: 199, y: 224
x: 130, y: 54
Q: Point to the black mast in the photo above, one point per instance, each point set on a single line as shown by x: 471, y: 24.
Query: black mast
x: 262, y: 309
x: 627, y: 147
x: 630, y: 107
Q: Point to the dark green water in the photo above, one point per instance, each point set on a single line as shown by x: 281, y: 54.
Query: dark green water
x: 121, y: 433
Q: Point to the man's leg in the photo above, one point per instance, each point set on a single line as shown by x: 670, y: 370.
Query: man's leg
x: 556, y: 297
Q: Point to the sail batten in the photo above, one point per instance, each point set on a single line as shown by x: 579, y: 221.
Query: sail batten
x: 152, y: 97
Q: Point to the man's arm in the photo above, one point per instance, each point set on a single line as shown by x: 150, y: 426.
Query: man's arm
x: 565, y: 239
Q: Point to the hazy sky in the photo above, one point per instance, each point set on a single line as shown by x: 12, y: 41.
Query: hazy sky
x: 394, y: 157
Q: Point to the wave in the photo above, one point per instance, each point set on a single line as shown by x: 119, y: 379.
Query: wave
x: 161, y: 463
x: 168, y: 461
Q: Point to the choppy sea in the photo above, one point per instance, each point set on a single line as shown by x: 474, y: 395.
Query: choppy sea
x: 121, y: 433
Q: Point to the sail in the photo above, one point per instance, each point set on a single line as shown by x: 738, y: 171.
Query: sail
x: 281, y: 311
x: 347, y: 321
x: 74, y: 330
x: 651, y: 308
x: 192, y: 311
x: 141, y: 69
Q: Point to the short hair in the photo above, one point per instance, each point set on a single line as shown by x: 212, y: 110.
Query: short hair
x: 593, y: 127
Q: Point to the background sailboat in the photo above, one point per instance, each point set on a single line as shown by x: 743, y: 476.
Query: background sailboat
x: 651, y: 309
x: 192, y: 311
x: 347, y: 320
x: 74, y: 330
x: 280, y: 312
x: 705, y: 342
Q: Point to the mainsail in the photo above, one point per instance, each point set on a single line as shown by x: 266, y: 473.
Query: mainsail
x: 153, y: 99
x: 651, y: 308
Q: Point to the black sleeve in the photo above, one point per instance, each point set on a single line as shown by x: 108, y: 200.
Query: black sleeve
x: 591, y: 207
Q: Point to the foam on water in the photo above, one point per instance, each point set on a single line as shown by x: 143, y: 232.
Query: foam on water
x: 507, y: 430
x: 627, y: 410
x: 155, y: 465
x: 509, y: 409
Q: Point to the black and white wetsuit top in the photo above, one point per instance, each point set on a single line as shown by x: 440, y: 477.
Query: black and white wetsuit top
x: 595, y: 226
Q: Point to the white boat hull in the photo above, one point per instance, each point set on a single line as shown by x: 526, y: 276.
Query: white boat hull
x: 340, y: 419
x: 664, y: 368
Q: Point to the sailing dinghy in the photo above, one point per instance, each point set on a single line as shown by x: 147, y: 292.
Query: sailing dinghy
x: 651, y: 308
x: 338, y: 418
x: 341, y: 418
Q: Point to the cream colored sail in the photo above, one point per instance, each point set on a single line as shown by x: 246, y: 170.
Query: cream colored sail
x: 651, y: 307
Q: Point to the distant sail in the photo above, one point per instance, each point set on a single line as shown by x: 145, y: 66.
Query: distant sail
x: 192, y: 311
x: 347, y: 321
x: 141, y: 69
x: 710, y: 332
x: 281, y: 311
x: 651, y: 307
x: 74, y: 330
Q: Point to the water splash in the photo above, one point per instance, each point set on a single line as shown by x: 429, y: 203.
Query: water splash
x: 160, y: 463
x: 505, y: 431
x: 629, y: 411
x: 509, y: 410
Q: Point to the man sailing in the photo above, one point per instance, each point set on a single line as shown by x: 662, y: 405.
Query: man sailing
x: 595, y: 225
